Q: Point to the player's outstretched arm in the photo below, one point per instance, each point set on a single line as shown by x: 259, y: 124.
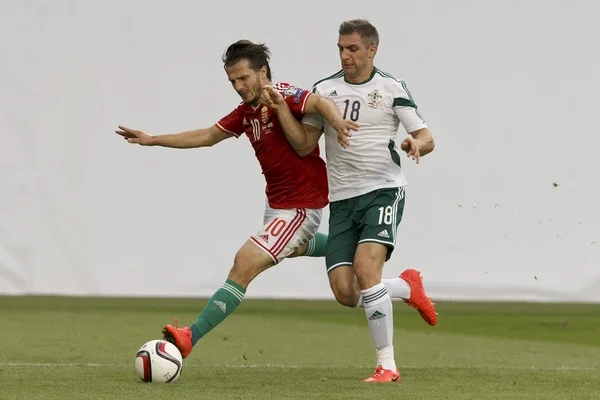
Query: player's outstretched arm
x: 185, y: 140
x: 302, y: 140
x: 328, y: 109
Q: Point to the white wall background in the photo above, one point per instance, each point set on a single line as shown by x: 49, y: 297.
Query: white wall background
x: 509, y: 89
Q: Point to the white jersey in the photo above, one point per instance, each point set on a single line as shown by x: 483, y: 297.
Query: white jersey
x: 372, y: 160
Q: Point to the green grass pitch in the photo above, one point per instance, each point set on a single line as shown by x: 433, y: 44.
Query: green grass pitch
x: 84, y: 348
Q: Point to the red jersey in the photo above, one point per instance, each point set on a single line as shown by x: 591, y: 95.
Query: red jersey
x: 292, y: 181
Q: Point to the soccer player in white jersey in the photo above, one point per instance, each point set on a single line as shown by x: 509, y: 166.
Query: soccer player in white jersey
x: 366, y: 184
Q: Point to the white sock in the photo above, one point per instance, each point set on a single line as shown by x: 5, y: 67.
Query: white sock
x: 385, y: 358
x: 397, y: 288
x: 360, y: 302
x: 378, y: 309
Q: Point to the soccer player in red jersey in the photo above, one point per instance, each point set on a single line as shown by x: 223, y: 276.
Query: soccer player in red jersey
x: 296, y: 189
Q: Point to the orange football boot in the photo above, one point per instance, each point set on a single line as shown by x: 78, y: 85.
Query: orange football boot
x: 180, y: 337
x: 384, y: 375
x: 418, y: 298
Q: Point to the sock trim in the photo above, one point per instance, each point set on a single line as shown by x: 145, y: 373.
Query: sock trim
x: 236, y: 293
x: 311, y: 247
x: 235, y: 285
x: 368, y: 299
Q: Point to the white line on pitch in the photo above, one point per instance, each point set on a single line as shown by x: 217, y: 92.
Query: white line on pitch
x: 288, y: 366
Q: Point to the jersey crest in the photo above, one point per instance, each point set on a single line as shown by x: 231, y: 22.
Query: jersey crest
x: 375, y: 98
x: 290, y: 91
x: 264, y: 114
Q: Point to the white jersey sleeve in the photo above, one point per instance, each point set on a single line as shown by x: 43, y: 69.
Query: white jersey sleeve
x: 406, y: 109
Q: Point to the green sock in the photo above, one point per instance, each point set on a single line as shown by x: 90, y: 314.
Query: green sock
x: 220, y: 305
x: 317, y: 245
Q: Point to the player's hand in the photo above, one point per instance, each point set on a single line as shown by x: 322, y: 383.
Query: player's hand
x: 411, y: 147
x: 135, y: 136
x: 343, y: 128
x: 271, y: 97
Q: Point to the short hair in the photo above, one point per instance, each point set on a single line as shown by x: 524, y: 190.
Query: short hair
x: 256, y: 54
x: 364, y: 28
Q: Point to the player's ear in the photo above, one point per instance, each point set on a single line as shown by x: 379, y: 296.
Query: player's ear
x: 372, y: 51
x: 263, y: 71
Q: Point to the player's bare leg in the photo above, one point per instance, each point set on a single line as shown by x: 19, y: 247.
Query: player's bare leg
x: 368, y: 265
x: 249, y: 262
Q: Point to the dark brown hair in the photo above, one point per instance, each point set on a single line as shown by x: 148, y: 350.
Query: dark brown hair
x: 256, y: 54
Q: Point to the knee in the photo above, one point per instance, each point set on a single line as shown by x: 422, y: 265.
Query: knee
x: 368, y: 264
x: 242, y: 271
x: 368, y: 270
x: 248, y: 263
x: 241, y: 259
x: 363, y: 273
x: 344, y: 293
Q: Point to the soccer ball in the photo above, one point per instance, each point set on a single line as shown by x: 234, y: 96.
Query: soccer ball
x: 158, y: 361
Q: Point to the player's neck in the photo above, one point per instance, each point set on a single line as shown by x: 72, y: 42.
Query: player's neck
x: 363, y: 77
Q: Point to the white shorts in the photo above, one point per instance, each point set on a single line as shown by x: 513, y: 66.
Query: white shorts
x: 284, y: 231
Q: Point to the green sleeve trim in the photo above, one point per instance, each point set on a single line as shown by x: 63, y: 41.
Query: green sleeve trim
x: 402, y: 102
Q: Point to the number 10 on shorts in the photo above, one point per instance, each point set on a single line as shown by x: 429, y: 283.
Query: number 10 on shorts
x: 285, y: 230
x: 275, y: 227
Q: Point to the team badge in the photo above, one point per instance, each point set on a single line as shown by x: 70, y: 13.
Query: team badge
x: 375, y: 98
x: 298, y: 96
x: 290, y: 91
x: 264, y: 114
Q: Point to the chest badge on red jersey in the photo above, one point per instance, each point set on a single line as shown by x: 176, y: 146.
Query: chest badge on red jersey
x: 290, y: 91
x: 264, y: 114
